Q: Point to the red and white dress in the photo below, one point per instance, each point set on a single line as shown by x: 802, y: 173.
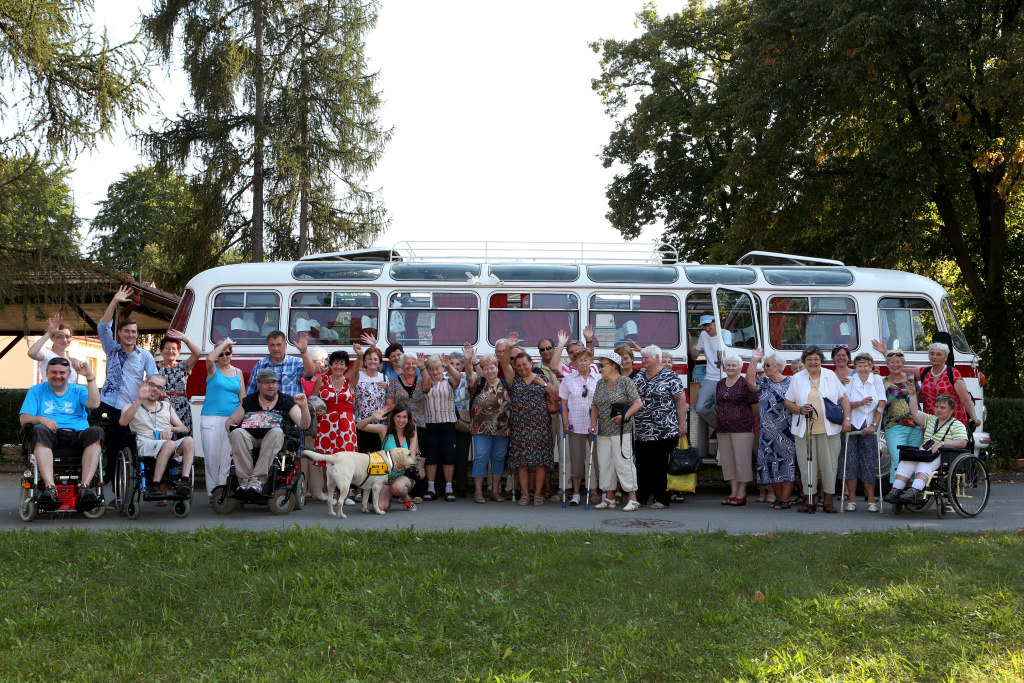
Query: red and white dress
x: 337, y: 428
x: 932, y: 387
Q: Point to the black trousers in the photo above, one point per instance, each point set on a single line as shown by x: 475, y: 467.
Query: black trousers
x: 652, y: 469
x: 463, y: 440
x: 115, y: 438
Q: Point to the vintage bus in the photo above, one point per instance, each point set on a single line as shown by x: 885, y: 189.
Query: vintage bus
x: 433, y: 297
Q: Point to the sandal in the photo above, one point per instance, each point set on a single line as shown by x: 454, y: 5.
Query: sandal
x: 829, y: 508
x: 538, y: 500
x: 429, y: 495
x: 161, y: 504
x: 806, y: 507
x: 479, y: 498
x: 782, y: 505
x: 498, y: 499
x: 739, y: 501
x: 728, y: 501
x: 523, y: 500
x: 449, y: 497
x: 556, y: 498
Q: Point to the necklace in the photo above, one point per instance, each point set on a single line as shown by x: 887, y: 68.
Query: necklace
x: 266, y: 404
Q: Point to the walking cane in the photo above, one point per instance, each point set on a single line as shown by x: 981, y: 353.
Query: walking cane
x: 565, y: 453
x: 812, y: 470
x: 878, y: 497
x: 846, y: 459
x: 590, y: 469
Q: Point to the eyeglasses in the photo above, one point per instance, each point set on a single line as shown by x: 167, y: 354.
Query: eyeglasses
x: 894, y: 353
x: 59, y: 361
x: 545, y: 348
x: 225, y: 353
x: 61, y: 337
x: 586, y: 390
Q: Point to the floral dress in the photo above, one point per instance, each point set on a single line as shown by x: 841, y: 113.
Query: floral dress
x: 337, y: 428
x: 897, y: 405
x: 175, y: 377
x: 776, y: 453
x: 530, y: 442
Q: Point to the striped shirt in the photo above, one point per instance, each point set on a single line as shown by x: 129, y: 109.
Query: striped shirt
x: 441, y: 403
x: 571, y: 389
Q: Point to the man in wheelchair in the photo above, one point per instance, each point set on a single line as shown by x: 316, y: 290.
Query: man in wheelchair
x: 262, y: 420
x: 58, y: 413
x: 155, y: 425
x: 941, y: 430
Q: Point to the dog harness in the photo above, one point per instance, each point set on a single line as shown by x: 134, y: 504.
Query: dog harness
x: 380, y: 463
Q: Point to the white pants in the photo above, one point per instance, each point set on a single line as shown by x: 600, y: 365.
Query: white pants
x: 908, y: 468
x: 826, y: 459
x: 216, y: 451
x: 616, y: 462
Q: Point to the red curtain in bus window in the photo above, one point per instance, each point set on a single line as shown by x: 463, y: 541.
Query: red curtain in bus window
x: 501, y: 323
x: 660, y: 320
x: 455, y: 327
x: 777, y: 323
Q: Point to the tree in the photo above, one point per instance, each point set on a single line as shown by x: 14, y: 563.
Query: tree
x: 151, y: 226
x: 252, y: 66
x: 874, y: 131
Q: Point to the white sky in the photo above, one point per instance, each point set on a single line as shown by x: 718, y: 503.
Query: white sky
x: 497, y: 130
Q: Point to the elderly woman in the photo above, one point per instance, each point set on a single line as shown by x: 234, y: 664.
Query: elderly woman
x: 61, y: 336
x: 439, y: 441
x: 616, y: 401
x: 464, y: 427
x: 866, y: 394
x: 530, y: 444
x: 656, y: 425
x: 176, y: 373
x: 336, y: 430
x: 941, y: 430
x: 490, y: 405
x: 817, y: 448
x: 941, y: 378
x: 841, y: 358
x: 577, y: 394
x: 898, y: 421
x: 733, y: 399
x: 224, y: 391
x: 399, y: 432
x: 776, y: 453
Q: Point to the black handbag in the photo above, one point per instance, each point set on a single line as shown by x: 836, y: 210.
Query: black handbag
x: 833, y: 411
x: 685, y: 461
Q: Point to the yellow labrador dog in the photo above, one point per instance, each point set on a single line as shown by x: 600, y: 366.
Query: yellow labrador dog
x: 348, y: 467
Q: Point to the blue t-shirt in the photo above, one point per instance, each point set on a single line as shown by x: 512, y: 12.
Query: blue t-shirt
x: 68, y: 411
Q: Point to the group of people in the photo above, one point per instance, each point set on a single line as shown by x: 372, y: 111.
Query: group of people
x: 515, y: 410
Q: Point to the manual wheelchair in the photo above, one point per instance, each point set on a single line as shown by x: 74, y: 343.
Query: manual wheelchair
x: 133, y: 472
x: 67, y: 472
x: 284, y: 491
x: 961, y: 479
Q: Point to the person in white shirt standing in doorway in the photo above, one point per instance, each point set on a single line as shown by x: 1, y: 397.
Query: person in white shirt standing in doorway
x: 708, y: 342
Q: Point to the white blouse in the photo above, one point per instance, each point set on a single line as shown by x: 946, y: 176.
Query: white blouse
x: 829, y: 386
x: 857, y: 390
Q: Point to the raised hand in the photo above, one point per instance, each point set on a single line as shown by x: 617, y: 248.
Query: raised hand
x: 563, y: 337
x: 469, y: 352
x: 357, y: 348
x: 300, y: 399
x: 445, y: 360
x: 380, y: 414
x: 368, y: 339
x: 513, y: 339
x: 55, y: 321
x: 633, y: 345
x: 176, y: 334
x: 421, y: 360
x: 228, y: 341
x: 879, y: 345
x: 912, y: 388
x: 302, y: 344
x: 756, y: 355
x: 123, y: 294
x: 588, y: 333
x: 81, y: 367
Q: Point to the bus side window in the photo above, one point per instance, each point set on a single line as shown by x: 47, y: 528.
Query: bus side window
x: 246, y: 317
x: 644, y: 318
x: 906, y: 322
x: 796, y: 322
x: 697, y: 304
x: 333, y: 318
x: 532, y: 315
x: 433, y: 318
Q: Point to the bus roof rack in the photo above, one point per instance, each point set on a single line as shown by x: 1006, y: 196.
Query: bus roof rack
x: 486, y: 252
x: 771, y: 258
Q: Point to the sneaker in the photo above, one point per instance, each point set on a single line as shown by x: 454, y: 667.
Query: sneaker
x: 87, y: 500
x: 912, y: 496
x: 851, y: 507
x: 322, y: 497
x: 409, y: 505
x: 184, y: 488
x: 632, y: 506
x: 575, y: 500
x: 49, y: 495
x: 605, y: 504
x: 872, y: 507
x: 153, y: 489
x: 349, y: 501
x: 658, y: 505
x: 893, y: 497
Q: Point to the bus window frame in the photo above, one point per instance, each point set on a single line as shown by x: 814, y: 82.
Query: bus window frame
x: 579, y: 294
x: 332, y: 291
x: 632, y: 293
x: 809, y: 295
x: 245, y: 290
x: 432, y: 308
x: 932, y: 308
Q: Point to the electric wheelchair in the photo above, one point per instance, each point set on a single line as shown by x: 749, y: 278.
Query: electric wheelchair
x: 133, y: 473
x: 67, y: 472
x: 961, y: 479
x: 284, y: 491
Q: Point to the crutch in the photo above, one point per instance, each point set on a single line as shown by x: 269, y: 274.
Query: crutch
x: 812, y: 466
x: 878, y: 486
x: 565, y: 453
x: 590, y: 469
x: 846, y: 459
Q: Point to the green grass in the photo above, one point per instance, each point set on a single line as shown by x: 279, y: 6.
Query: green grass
x: 504, y: 605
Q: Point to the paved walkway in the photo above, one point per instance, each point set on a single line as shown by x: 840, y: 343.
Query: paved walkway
x: 701, y: 512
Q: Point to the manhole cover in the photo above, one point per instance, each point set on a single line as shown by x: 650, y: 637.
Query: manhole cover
x: 639, y: 523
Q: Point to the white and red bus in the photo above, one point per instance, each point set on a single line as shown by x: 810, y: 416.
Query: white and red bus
x: 433, y: 297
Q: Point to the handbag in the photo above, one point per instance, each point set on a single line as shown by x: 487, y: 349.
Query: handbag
x: 684, y: 483
x: 685, y: 460
x: 833, y: 412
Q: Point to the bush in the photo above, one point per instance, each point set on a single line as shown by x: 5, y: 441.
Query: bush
x: 1005, y: 424
x: 10, y: 408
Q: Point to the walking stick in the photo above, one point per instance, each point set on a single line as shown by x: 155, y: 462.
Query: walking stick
x: 590, y: 469
x: 878, y: 497
x: 846, y: 459
x: 565, y: 453
x: 811, y: 464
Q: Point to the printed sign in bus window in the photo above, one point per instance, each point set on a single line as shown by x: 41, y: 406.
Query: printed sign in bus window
x: 333, y: 318
x: 533, y: 316
x: 796, y: 322
x: 643, y: 318
x: 907, y: 323
x: 433, y: 318
x: 246, y: 317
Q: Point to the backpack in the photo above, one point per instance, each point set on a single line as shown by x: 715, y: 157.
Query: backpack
x: 947, y: 339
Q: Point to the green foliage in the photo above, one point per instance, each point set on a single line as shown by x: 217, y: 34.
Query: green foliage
x: 1005, y: 424
x: 882, y: 133
x: 10, y: 409
x: 296, y: 111
x: 504, y: 605
x: 151, y: 225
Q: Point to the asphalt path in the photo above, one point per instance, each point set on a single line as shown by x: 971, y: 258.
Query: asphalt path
x: 701, y: 512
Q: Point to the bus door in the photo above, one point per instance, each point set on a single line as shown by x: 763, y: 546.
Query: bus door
x: 739, y: 324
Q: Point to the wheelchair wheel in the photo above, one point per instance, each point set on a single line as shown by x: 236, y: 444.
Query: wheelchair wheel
x: 182, y: 508
x: 282, y: 501
x: 300, y: 491
x: 940, y: 509
x: 27, y: 509
x: 222, y: 502
x: 133, y: 506
x: 968, y: 485
x: 124, y: 479
x: 928, y: 502
x: 96, y: 512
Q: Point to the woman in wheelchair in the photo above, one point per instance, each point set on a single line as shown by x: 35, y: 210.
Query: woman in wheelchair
x: 155, y: 424
x: 941, y: 430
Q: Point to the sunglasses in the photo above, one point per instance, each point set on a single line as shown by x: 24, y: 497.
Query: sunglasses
x: 840, y: 346
x: 225, y: 353
x: 59, y: 361
x: 894, y: 353
x: 546, y: 348
x: 586, y: 390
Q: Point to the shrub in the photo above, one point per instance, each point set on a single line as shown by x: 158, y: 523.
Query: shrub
x: 10, y: 408
x: 1005, y: 424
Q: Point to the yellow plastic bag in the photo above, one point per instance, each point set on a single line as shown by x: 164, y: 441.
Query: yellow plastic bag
x: 684, y: 483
